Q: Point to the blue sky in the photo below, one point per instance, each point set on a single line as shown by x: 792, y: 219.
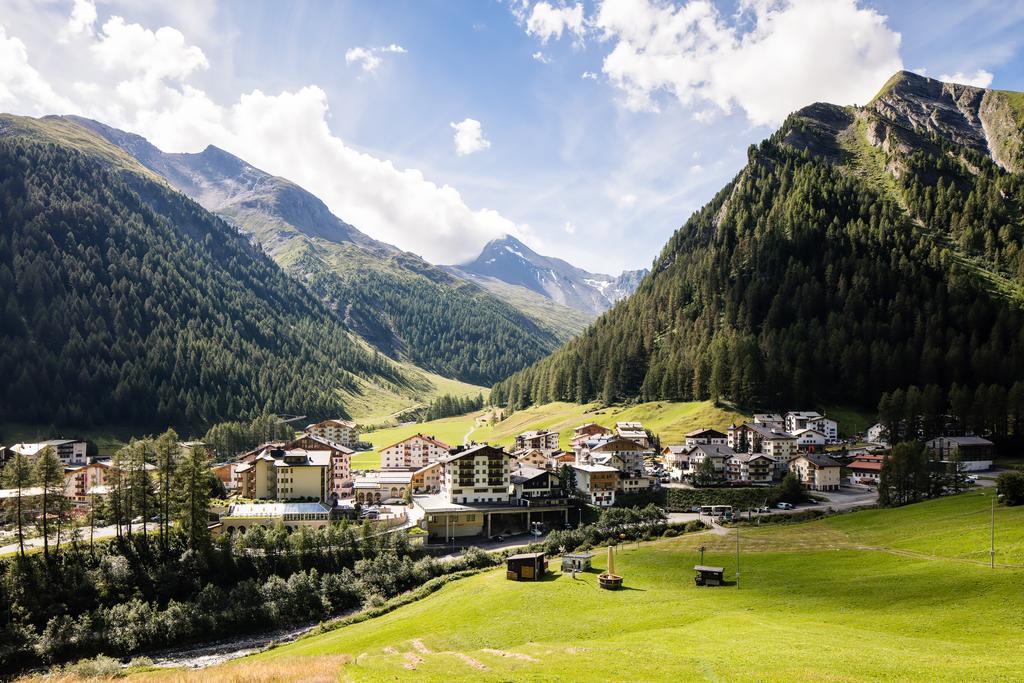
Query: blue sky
x: 451, y: 123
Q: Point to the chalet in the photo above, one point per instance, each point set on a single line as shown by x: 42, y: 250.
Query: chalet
x: 751, y: 438
x: 427, y: 479
x: 865, y: 469
x: 413, y: 453
x: 877, y: 433
x: 589, y: 431
x: 383, y: 486
x: 82, y: 482
x: 532, y: 457
x: 827, y: 426
x: 973, y: 453
x: 750, y: 468
x: 816, y: 472
x: 809, y: 419
x: 70, y: 451
x: 558, y: 459
x: 225, y: 472
x: 711, y: 437
x: 674, y: 457
x: 809, y: 439
x: 629, y: 452
x: 634, y: 431
x: 718, y: 455
x: 533, y: 482
x: 341, y: 432
x: 770, y: 421
x: 596, y: 484
x: 798, y: 419
x: 541, y: 439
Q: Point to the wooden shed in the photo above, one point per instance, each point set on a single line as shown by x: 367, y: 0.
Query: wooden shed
x: 709, y: 576
x: 576, y: 562
x: 525, y: 567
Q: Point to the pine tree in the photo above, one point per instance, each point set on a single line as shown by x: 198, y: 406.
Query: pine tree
x: 192, y: 476
x: 49, y: 474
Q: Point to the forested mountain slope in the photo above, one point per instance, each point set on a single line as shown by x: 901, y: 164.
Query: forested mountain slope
x: 402, y: 305
x: 860, y: 250
x: 123, y: 300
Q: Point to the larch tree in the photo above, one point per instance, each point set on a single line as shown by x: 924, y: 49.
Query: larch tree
x: 19, y: 475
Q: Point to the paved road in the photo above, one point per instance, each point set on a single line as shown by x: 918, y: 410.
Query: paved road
x: 37, y: 542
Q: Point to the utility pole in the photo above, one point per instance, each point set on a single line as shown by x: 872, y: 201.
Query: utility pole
x: 737, y: 557
x: 992, y: 546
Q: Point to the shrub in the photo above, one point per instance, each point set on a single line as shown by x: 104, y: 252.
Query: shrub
x: 1010, y: 485
x: 99, y: 666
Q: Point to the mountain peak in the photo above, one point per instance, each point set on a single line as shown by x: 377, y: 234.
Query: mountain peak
x: 507, y: 259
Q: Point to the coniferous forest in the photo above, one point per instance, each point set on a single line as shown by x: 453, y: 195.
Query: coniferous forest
x: 122, y: 300
x: 828, y: 270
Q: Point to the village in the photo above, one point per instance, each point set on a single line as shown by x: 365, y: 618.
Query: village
x: 477, y: 493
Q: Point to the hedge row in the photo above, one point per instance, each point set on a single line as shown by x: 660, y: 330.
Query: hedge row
x: 681, y: 500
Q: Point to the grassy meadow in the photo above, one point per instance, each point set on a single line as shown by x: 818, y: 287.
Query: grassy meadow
x: 900, y: 594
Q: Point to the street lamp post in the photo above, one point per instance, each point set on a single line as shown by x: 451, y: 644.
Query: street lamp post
x: 992, y: 536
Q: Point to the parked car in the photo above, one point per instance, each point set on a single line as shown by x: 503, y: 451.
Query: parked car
x: 497, y: 538
x: 695, y: 508
x: 763, y: 509
x: 785, y: 506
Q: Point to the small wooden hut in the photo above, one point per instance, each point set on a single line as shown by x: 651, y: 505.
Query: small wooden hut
x: 525, y: 567
x: 709, y: 576
x: 576, y: 562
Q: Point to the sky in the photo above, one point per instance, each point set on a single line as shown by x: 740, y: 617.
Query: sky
x: 590, y: 130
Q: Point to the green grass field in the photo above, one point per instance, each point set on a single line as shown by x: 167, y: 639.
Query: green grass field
x: 669, y: 420
x: 876, y: 595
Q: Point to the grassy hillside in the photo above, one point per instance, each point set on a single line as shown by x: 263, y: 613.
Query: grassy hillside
x: 668, y: 420
x: 874, y: 595
x: 563, y: 321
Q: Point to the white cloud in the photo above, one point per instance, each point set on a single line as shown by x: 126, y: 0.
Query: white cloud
x: 147, y: 55
x: 369, y: 57
x: 22, y: 88
x: 541, y: 57
x: 770, y: 58
x: 570, y: 228
x: 626, y: 201
x: 140, y: 80
x: 82, y: 19
x: 546, y: 21
x: 469, y: 137
x: 979, y: 79
x: 588, y: 76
